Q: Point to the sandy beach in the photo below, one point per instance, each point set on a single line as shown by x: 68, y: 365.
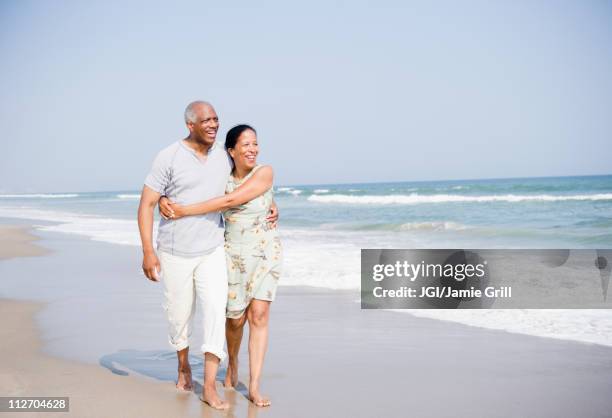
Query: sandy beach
x: 327, y: 357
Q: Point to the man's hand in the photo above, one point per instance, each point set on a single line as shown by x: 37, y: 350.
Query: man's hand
x: 150, y: 266
x: 272, y: 217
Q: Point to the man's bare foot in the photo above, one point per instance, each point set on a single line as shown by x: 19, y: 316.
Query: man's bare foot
x: 210, y: 396
x: 231, y: 374
x: 258, y: 399
x: 184, y: 381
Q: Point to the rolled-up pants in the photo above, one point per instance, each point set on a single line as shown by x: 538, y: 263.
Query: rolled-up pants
x: 185, y: 279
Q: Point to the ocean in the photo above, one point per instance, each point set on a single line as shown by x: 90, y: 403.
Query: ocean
x: 323, y: 228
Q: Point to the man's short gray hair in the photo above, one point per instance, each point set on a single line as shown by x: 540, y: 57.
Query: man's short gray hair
x: 190, y: 115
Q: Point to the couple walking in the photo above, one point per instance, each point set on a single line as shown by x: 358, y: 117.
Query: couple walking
x: 231, y: 267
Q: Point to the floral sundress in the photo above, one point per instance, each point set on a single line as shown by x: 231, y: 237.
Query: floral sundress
x: 253, y: 251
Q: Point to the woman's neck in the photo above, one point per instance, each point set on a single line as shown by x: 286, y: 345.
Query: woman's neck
x: 241, y: 172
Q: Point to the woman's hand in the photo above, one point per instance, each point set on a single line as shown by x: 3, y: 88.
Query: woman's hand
x: 165, y: 208
x: 178, y: 211
x: 170, y: 210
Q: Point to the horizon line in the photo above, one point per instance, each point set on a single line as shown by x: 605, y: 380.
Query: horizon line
x: 339, y: 184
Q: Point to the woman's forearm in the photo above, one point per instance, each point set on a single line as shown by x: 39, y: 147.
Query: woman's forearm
x: 257, y: 185
x: 218, y: 204
x: 213, y: 205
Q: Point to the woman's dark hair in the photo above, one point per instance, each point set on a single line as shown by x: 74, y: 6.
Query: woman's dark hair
x: 233, y: 134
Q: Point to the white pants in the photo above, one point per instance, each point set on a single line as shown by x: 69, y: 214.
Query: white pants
x: 184, y: 279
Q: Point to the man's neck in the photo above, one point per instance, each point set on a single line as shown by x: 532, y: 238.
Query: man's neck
x: 198, y: 147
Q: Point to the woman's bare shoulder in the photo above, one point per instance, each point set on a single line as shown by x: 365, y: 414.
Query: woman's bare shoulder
x: 264, y: 171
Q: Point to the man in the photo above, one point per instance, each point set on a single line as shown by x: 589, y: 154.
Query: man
x: 191, y: 252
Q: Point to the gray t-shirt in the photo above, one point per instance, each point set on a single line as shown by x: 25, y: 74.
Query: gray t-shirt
x: 184, y: 178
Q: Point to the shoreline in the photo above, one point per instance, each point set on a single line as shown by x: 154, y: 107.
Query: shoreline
x: 590, y: 326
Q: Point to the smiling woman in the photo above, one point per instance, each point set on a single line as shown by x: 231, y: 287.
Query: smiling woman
x: 241, y: 143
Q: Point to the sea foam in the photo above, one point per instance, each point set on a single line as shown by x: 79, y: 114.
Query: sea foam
x: 414, y: 198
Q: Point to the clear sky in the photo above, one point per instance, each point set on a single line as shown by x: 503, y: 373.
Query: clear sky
x: 339, y: 91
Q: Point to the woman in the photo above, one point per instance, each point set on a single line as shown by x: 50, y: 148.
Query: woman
x: 253, y: 252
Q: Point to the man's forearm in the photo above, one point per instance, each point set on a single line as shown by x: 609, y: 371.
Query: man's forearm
x: 145, y: 225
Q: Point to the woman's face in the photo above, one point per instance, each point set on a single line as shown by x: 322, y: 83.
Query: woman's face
x: 246, y: 150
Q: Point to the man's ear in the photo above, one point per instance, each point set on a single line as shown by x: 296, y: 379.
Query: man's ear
x: 190, y: 126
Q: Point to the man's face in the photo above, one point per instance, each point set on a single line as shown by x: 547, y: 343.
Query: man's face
x: 205, y: 128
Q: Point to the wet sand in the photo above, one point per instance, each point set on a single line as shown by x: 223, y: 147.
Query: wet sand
x: 93, y: 390
x: 17, y: 241
x: 326, y: 358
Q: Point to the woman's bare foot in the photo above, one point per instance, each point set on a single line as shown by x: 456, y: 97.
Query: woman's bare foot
x: 231, y: 374
x: 258, y: 399
x: 184, y: 381
x: 210, y: 397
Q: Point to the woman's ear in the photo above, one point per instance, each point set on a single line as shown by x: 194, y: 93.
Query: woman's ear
x: 231, y: 152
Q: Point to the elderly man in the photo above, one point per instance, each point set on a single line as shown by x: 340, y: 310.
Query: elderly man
x: 191, y: 253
